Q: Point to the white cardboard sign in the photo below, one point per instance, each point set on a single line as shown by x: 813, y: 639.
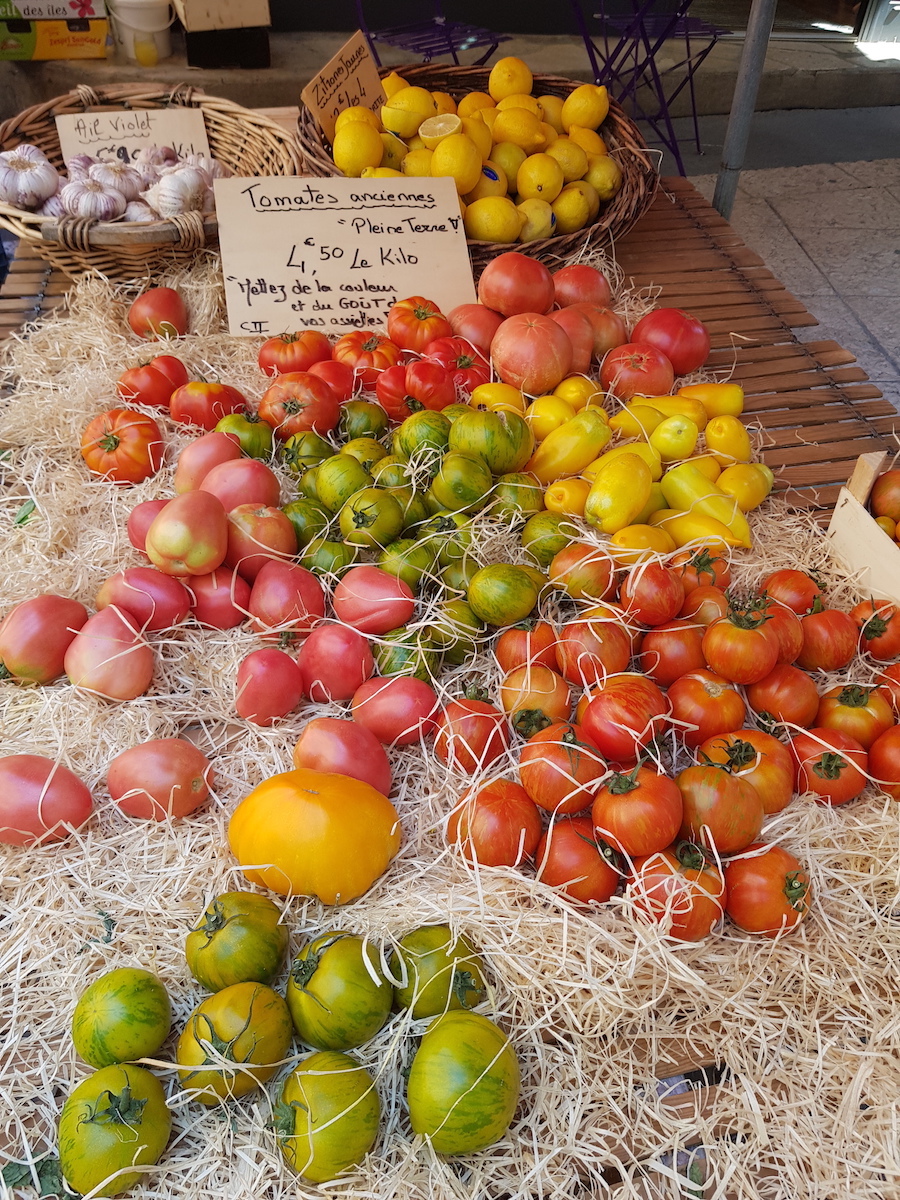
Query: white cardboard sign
x: 121, y: 134
x: 334, y: 254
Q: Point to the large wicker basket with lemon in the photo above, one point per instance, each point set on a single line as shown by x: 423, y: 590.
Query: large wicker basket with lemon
x: 541, y: 162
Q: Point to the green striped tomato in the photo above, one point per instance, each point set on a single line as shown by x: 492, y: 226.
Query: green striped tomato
x: 443, y: 972
x: 425, y: 433
x: 503, y: 440
x: 337, y: 995
x: 123, y: 1015
x: 517, y: 495
x: 240, y: 939
x: 545, y: 534
x: 337, y: 478
x: 462, y: 482
x: 362, y: 418
x: 407, y: 652
x: 502, y: 594
x: 366, y: 450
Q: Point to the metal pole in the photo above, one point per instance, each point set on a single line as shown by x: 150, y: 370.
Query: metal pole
x: 743, y: 103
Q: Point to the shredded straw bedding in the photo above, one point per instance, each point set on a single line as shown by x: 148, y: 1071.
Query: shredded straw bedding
x: 594, y: 1000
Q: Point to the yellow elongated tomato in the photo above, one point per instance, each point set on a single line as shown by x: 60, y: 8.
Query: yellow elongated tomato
x: 619, y: 492
x: 569, y: 449
x: 546, y: 414
x: 637, y: 543
x: 315, y: 834
x: 675, y: 438
x: 579, y: 391
x: 749, y: 483
x: 567, y: 496
x: 642, y: 449
x: 497, y: 397
x: 719, y: 399
x: 728, y: 441
x: 687, y: 528
x: 708, y: 465
x: 689, y: 490
x: 636, y: 420
x: 655, y: 502
x: 679, y: 406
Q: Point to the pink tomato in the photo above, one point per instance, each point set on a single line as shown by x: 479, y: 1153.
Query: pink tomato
x: 342, y: 747
x: 221, y: 599
x: 334, y: 662
x: 40, y: 800
x: 398, y: 710
x: 139, y: 521
x: 35, y: 635
x: 286, y: 600
x: 476, y: 323
x: 581, y: 284
x: 158, y: 601
x: 258, y: 535
x: 165, y: 777
x: 245, y: 481
x: 109, y: 657
x: 513, y: 283
x: 609, y: 328
x: 574, y: 322
x: 199, y: 457
x: 189, y: 536
x: 269, y: 685
x: 373, y: 601
x: 531, y: 352
x: 636, y: 369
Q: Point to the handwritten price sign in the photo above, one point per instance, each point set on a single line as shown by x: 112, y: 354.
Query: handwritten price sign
x: 122, y: 134
x: 334, y: 254
x: 350, y: 78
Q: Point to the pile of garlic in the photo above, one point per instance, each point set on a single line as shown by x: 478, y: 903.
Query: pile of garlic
x: 156, y: 186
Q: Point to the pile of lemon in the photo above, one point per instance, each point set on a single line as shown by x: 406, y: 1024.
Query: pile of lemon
x: 525, y: 167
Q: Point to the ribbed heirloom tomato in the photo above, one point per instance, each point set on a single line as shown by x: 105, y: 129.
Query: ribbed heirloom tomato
x: 367, y: 353
x: 638, y: 813
x: 768, y: 891
x: 408, y: 388
x: 497, y: 826
x: 679, y: 889
x: 122, y: 446
x: 759, y: 759
x: 721, y: 811
x: 625, y: 714
x: 560, y: 770
x: 862, y: 712
x: 468, y: 368
x: 708, y: 702
x: 569, y: 858
x: 414, y: 322
x: 298, y: 402
x: 293, y: 351
x: 470, y: 734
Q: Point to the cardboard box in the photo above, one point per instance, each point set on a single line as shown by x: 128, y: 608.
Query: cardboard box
x: 52, y: 10
x: 199, y: 15
x: 39, y: 41
x: 869, y: 554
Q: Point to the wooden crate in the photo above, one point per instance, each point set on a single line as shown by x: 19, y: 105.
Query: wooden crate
x: 866, y: 550
x: 199, y: 15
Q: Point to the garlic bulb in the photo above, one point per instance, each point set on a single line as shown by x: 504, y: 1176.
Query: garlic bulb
x: 90, y: 198
x: 211, y: 167
x: 27, y: 178
x: 52, y: 207
x: 79, y: 166
x: 148, y: 173
x: 138, y: 210
x: 178, y: 190
x: 209, y: 201
x: 156, y: 156
x: 120, y: 176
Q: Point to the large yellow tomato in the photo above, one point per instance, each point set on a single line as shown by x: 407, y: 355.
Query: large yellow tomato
x: 315, y: 834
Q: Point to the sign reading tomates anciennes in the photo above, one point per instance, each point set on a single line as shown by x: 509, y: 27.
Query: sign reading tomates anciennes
x: 334, y: 254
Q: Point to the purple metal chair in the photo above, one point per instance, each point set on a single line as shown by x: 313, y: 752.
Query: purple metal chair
x: 632, y: 33
x: 433, y: 37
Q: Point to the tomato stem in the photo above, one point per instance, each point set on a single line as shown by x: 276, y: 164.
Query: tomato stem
x: 108, y: 443
x: 855, y: 696
x: 795, y: 889
x: 830, y: 765
x: 116, y: 1108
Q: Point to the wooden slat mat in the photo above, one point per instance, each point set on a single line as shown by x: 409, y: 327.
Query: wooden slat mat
x: 31, y: 288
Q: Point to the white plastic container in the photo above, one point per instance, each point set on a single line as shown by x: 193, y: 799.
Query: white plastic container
x: 141, y: 29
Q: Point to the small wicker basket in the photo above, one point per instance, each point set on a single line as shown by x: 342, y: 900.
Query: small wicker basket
x: 639, y: 183
x: 246, y: 142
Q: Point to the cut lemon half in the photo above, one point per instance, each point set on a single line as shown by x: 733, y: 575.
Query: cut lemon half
x: 435, y: 129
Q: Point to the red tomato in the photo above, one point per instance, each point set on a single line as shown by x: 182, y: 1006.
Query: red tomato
x: 403, y: 390
x: 414, y: 322
x: 158, y: 313
x: 144, y: 385
x: 680, y: 890
x: 531, y: 642
x: 559, y: 770
x: 532, y: 353
x: 759, y: 759
x: 704, y: 705
x: 787, y: 696
x: 470, y: 735
x: 638, y: 813
x: 609, y: 329
x: 286, y: 600
x: 109, y: 657
x: 166, y: 777
x: 636, y: 369
x: 721, y: 810
x: 398, y: 711
x: 706, y: 567
x: 671, y: 650
x: 830, y: 764
x: 243, y: 481
x: 35, y: 635
x: 139, y: 521
x: 786, y: 626
x: 173, y: 369
x: 269, y: 685
x: 496, y: 826
x: 339, y: 377
x: 334, y: 662
x: 795, y: 589
x: 829, y: 639
x: 290, y: 352
x: 704, y: 605
x: 589, y: 651
x: 884, y: 500
x: 740, y: 647
x: 367, y: 353
x: 580, y: 284
x: 199, y: 457
x: 889, y: 682
x: 220, y: 599
x: 514, y: 283
x: 681, y: 338
x: 768, y: 891
x: 476, y: 323
x: 257, y: 535
x: 651, y: 593
x: 373, y: 601
x: 297, y: 403
x: 879, y: 629
x: 580, y: 332
x: 344, y: 747
x: 862, y: 712
x: 156, y: 600
x: 884, y: 761
x: 583, y: 572
x: 534, y: 697
x: 625, y: 714
x: 205, y: 404
x: 568, y: 858
x: 40, y: 800
x: 122, y: 446
x: 467, y: 367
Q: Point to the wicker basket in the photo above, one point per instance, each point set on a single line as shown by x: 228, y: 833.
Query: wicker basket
x: 621, y: 135
x: 245, y: 141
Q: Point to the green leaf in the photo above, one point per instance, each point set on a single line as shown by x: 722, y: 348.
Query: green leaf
x: 24, y: 512
x: 16, y: 1175
x: 49, y: 1175
x: 109, y: 925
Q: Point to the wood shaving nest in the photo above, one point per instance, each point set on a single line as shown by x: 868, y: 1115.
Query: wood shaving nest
x: 594, y: 1000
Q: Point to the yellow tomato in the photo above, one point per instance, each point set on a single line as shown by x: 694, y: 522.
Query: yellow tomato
x: 708, y: 465
x: 728, y: 441
x: 889, y: 526
x: 579, y: 391
x: 567, y: 496
x: 569, y: 449
x: 546, y: 414
x: 636, y: 420
x: 498, y: 397
x: 679, y: 406
x: 719, y: 399
x: 655, y: 502
x: 749, y: 483
x: 618, y: 493
x: 641, y: 449
x: 693, y: 528
x: 675, y: 438
x: 689, y: 490
x: 636, y: 543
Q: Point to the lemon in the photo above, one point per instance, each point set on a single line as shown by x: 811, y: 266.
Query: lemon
x: 356, y: 112
x: 355, y: 146
x: 492, y: 183
x: 571, y: 158
x: 487, y: 116
x: 509, y: 77
x: 540, y: 220
x: 473, y: 102
x: 406, y: 111
x: 393, y: 83
x: 572, y: 210
x: 493, y: 219
x: 604, y: 174
x: 458, y: 157
x: 475, y: 128
x: 415, y: 143
x: 444, y: 101
x: 526, y: 102
x: 435, y: 129
x: 510, y: 158
x: 590, y: 194
x: 540, y: 177
x: 550, y: 134
x: 394, y: 151
x: 519, y: 126
x: 417, y: 162
x: 590, y: 141
x: 587, y: 106
x: 380, y: 173
x: 551, y: 111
